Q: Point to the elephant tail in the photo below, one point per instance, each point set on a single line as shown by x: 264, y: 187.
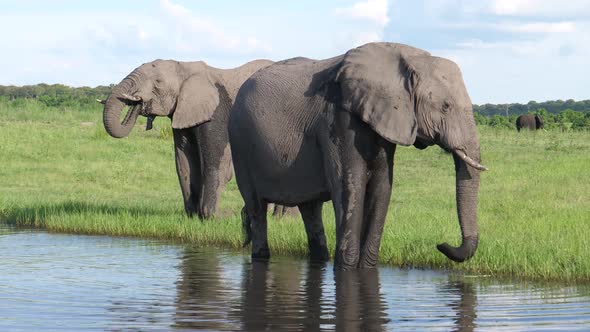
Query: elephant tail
x: 246, y: 227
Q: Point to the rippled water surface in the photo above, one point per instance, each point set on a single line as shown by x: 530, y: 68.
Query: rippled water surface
x: 68, y: 282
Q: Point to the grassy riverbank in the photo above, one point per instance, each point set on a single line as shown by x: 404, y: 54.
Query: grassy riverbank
x: 61, y: 171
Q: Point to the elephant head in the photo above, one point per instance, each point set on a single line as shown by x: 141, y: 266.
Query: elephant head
x: 161, y: 88
x: 411, y: 97
x: 538, y: 122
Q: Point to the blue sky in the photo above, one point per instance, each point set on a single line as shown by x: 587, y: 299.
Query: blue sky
x: 508, y: 50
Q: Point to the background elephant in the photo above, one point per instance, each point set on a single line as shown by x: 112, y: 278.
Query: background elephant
x: 529, y: 121
x: 305, y: 131
x: 197, y: 98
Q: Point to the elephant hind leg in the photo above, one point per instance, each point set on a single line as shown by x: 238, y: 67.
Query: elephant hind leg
x: 279, y: 211
x: 246, y: 227
x: 256, y: 214
x: 314, y: 227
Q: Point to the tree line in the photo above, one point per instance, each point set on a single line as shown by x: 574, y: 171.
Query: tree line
x: 568, y: 114
x: 564, y: 120
x: 56, y: 95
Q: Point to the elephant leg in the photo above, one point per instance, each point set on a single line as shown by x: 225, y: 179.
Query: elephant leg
x: 377, y: 199
x: 314, y: 227
x: 210, y: 192
x: 257, y: 214
x: 217, y: 172
x: 348, y: 228
x: 346, y: 174
x: 279, y: 211
x: 188, y: 168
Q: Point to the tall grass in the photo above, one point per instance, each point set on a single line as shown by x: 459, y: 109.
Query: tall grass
x: 60, y: 171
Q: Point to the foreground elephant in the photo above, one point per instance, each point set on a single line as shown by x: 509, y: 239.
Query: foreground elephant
x: 305, y: 131
x: 529, y: 121
x: 197, y: 98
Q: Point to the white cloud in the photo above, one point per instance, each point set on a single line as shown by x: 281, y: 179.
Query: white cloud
x: 541, y: 7
x: 371, y: 10
x: 371, y: 18
x: 516, y: 27
x: 194, y: 33
x: 552, y: 66
x: 102, y: 47
x: 367, y: 37
x: 540, y: 27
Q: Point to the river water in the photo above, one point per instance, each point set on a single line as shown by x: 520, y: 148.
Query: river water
x: 68, y: 282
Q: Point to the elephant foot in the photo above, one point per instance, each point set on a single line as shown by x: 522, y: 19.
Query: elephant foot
x: 370, y: 256
x: 367, y: 265
x: 206, y: 213
x: 190, y: 210
x: 261, y: 254
x: 318, y: 251
x: 189, y: 213
x: 319, y: 255
x: 345, y: 263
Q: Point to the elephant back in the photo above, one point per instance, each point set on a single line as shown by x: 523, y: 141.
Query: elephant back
x: 235, y: 77
x: 277, y: 104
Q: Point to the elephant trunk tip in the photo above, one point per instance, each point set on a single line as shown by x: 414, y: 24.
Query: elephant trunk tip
x: 462, y: 253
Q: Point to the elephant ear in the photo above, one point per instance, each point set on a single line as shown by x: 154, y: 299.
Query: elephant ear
x: 377, y: 84
x: 196, y: 102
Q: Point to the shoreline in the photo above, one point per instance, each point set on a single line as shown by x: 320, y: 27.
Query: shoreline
x: 533, y: 203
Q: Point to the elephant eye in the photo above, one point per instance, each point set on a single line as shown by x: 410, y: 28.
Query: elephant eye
x: 446, y: 106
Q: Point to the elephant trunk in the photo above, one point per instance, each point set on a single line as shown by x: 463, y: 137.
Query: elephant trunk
x: 114, y: 106
x: 467, y: 187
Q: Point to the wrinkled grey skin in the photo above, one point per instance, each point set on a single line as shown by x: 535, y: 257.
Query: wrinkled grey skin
x: 306, y: 131
x: 197, y: 98
x: 529, y: 121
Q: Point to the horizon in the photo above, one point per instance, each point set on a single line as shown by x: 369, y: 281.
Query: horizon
x: 510, y: 51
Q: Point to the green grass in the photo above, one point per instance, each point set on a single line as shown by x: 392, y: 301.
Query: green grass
x: 60, y: 171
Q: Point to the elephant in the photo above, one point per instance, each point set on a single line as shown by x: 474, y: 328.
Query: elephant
x: 197, y: 98
x: 529, y: 121
x: 306, y: 131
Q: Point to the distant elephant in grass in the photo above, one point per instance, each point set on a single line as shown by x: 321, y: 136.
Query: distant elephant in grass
x: 197, y: 98
x: 529, y: 121
x: 306, y: 131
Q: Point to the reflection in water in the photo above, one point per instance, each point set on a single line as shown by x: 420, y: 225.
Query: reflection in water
x: 464, y: 306
x: 288, y: 294
x: 63, y: 282
x: 359, y: 303
x: 200, y: 299
x: 281, y: 298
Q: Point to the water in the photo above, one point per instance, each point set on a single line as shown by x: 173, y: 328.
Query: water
x: 65, y: 282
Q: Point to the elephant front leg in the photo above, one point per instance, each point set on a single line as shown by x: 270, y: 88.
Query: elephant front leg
x: 210, y: 193
x: 348, y: 228
x: 377, y: 197
x: 187, y: 168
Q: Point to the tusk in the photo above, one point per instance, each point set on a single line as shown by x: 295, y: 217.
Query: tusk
x: 130, y: 98
x: 102, y: 101
x: 470, y: 161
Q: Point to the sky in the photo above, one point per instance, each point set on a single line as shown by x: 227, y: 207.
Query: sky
x: 508, y: 50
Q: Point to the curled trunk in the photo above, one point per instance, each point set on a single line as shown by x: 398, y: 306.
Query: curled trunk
x: 114, y: 106
x: 467, y: 187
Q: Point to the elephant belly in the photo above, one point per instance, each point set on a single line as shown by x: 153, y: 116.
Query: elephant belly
x: 298, y: 181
